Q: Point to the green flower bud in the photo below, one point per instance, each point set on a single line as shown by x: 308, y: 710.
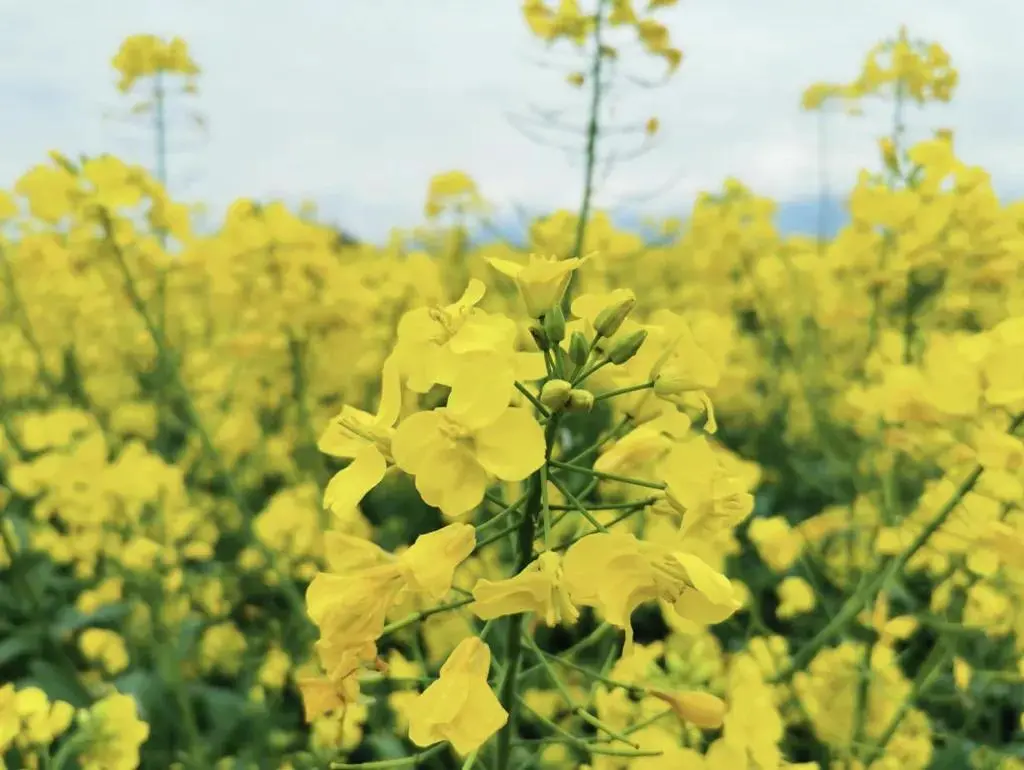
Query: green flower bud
x: 554, y: 394
x: 610, y: 319
x: 540, y: 337
x: 580, y: 400
x: 554, y: 324
x: 627, y: 347
x: 579, y: 349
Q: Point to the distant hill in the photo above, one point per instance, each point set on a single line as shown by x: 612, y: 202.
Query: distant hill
x: 800, y: 217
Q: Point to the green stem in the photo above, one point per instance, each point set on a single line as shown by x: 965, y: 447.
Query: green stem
x: 544, y: 411
x: 416, y: 617
x: 527, y: 531
x: 575, y: 708
x: 614, y: 434
x: 514, y: 645
x: 591, y: 747
x: 853, y: 606
x: 608, y: 476
x: 634, y: 691
x: 590, y: 149
x: 579, y: 378
x: 936, y: 659
x: 384, y: 764
x: 167, y: 360
x: 580, y: 507
x: 501, y: 515
x: 297, y: 350
x: 623, y: 391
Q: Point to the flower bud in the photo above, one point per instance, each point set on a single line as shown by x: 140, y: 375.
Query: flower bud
x: 540, y: 337
x: 627, y: 347
x: 579, y: 349
x: 555, y: 394
x: 554, y: 324
x: 702, y: 709
x: 580, y: 400
x: 610, y: 319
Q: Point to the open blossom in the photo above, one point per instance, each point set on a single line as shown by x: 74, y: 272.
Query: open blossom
x: 431, y: 339
x: 460, y: 706
x: 453, y: 455
x: 366, y: 440
x: 350, y: 604
x: 540, y: 588
x: 616, y: 573
x: 541, y: 281
x: 116, y: 734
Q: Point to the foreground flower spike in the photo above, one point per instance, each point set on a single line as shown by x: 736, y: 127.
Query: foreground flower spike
x: 460, y: 706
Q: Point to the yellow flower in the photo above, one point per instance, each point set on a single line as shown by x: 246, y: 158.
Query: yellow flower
x: 452, y: 456
x: 431, y: 339
x: 460, y: 706
x: 322, y: 695
x: 796, y: 597
x: 350, y: 605
x: 115, y: 732
x: 430, y: 562
x: 106, y: 647
x: 616, y: 573
x: 366, y: 440
x: 350, y: 610
x: 10, y: 724
x: 539, y: 588
x: 541, y: 281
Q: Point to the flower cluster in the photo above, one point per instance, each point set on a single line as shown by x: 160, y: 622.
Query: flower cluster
x: 142, y: 56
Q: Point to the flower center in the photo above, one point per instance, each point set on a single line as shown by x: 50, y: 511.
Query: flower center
x: 361, y: 427
x: 455, y: 432
x: 448, y: 323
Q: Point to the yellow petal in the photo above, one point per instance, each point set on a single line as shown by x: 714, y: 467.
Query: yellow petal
x: 512, y: 447
x: 481, y: 390
x: 390, y: 393
x: 351, y: 484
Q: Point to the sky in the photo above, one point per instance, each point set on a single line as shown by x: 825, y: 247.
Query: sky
x: 355, y: 104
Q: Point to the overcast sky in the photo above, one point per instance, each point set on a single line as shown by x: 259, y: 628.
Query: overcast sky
x: 356, y: 103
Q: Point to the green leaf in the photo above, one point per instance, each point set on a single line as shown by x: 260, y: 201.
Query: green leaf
x: 226, y: 710
x: 17, y: 646
x: 71, y: 619
x: 387, y: 746
x: 58, y: 683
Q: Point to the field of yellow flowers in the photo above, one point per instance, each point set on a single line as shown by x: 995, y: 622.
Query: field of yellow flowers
x: 731, y: 500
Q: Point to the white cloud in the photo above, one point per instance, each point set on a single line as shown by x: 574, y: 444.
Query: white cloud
x: 358, y: 102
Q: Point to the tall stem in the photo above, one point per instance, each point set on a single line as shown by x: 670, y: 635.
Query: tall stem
x: 525, y: 536
x: 590, y: 148
x: 160, y: 127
